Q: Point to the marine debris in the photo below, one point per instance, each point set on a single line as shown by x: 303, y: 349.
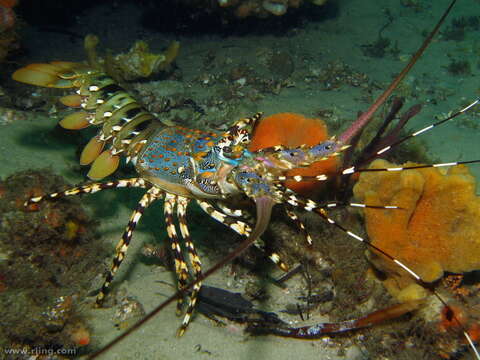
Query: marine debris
x: 137, y: 63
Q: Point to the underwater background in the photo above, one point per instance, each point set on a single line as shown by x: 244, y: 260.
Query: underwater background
x: 322, y: 59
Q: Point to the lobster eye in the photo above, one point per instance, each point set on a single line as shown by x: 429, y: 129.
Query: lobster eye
x: 227, y: 149
x: 329, y: 147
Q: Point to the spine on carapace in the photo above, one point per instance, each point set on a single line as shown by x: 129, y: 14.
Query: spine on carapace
x: 125, y: 124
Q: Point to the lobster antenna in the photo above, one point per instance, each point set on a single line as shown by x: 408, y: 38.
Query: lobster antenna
x: 353, y: 169
x: 425, y: 129
x: 412, y: 273
x: 389, y: 147
x: 400, y: 168
x: 366, y: 117
x: 311, y: 206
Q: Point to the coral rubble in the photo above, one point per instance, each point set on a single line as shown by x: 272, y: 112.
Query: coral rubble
x: 436, y: 229
x: 137, y: 63
x: 49, y: 257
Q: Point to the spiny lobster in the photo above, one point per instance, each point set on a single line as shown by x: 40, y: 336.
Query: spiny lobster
x: 179, y: 165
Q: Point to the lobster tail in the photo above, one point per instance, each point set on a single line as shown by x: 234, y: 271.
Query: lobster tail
x: 56, y: 74
x: 125, y: 123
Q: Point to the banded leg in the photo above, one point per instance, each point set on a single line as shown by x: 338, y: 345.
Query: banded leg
x: 239, y: 227
x: 312, y: 206
x: 181, y: 268
x: 323, y: 213
x: 89, y: 189
x: 236, y: 213
x: 195, y: 262
x: 121, y: 249
x: 236, y: 225
x: 273, y: 256
x: 291, y: 214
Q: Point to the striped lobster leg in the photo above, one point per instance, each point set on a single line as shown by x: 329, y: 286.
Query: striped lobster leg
x: 148, y: 198
x: 121, y: 249
x: 195, y: 262
x: 299, y: 223
x: 89, y: 189
x: 180, y: 204
x: 181, y: 267
x: 228, y: 218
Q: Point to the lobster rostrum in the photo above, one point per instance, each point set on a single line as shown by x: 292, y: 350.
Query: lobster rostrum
x: 179, y: 165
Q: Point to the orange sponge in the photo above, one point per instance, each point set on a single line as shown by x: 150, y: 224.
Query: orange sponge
x: 8, y: 3
x: 437, y: 228
x: 293, y: 130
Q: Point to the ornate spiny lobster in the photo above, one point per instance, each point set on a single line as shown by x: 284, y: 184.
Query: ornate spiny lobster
x: 174, y: 163
x: 179, y: 165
